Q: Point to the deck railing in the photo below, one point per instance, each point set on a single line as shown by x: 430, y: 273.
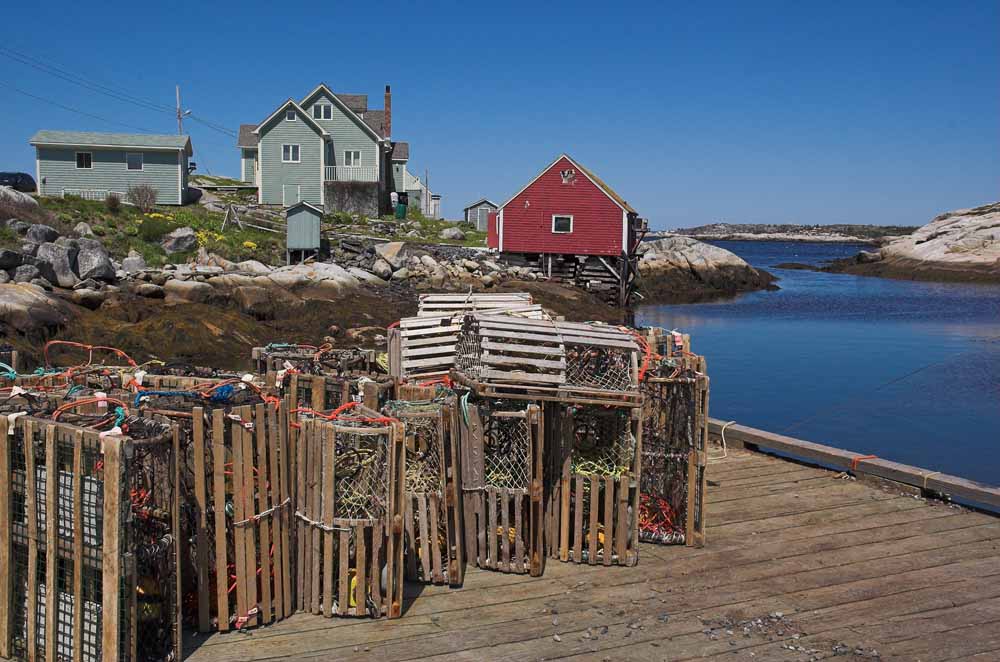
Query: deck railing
x: 351, y: 174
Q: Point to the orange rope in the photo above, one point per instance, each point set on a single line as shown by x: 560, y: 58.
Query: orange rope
x: 90, y: 351
x: 859, y: 458
x: 86, y: 401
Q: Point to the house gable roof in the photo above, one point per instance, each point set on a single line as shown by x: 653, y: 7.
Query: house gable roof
x: 598, y: 182
x: 322, y: 87
x: 298, y: 109
x: 303, y: 203
x: 479, y: 202
x: 356, y: 102
x: 247, y: 136
x: 147, y: 141
x: 400, y: 151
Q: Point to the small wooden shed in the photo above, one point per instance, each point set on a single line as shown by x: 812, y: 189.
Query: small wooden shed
x: 478, y: 213
x: 303, y: 238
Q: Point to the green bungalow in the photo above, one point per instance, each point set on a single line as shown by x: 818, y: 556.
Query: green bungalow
x: 94, y: 165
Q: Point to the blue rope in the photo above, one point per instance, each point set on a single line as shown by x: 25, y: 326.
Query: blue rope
x: 8, y: 371
x: 119, y: 416
x: 223, y: 394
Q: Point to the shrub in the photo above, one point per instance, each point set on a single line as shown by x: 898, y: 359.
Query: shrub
x: 153, y: 227
x: 113, y: 203
x: 142, y: 196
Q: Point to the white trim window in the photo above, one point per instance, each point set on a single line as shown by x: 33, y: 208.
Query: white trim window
x: 352, y: 157
x: 133, y: 160
x: 84, y: 160
x: 322, y: 111
x: 290, y: 154
x: 562, y: 223
x: 290, y: 115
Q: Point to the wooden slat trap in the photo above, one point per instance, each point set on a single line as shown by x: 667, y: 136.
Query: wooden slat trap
x: 502, y: 356
x: 350, y: 529
x: 594, y: 473
x: 432, y: 511
x: 88, y: 563
x: 315, y: 360
x: 674, y: 456
x: 446, y: 305
x: 502, y: 470
x: 242, y: 470
x: 423, y: 347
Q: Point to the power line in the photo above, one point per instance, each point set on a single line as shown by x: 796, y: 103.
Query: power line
x: 82, y: 82
x: 211, y: 125
x: 73, y: 110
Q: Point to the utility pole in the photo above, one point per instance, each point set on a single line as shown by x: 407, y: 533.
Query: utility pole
x: 180, y: 115
x: 427, y: 192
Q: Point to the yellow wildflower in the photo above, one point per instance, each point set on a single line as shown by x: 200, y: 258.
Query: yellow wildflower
x: 249, y: 244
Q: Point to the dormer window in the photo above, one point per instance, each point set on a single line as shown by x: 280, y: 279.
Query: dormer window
x: 322, y: 111
x: 290, y: 115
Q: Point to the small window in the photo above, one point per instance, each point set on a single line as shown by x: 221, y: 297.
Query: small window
x: 84, y: 160
x: 352, y: 157
x: 322, y: 111
x: 133, y: 160
x: 290, y: 153
x: 562, y: 224
x: 290, y: 115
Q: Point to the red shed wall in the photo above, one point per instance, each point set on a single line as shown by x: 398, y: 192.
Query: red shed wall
x: 597, y: 220
x: 492, y: 238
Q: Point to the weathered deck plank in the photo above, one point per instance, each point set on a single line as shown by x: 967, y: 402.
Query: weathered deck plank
x: 843, y: 562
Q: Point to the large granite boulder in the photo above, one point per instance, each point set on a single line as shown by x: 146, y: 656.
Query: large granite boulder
x: 28, y: 308
x: 454, y: 234
x: 16, y: 198
x: 26, y: 273
x: 10, y: 259
x: 682, y: 268
x: 93, y: 261
x: 40, y: 233
x: 179, y: 240
x: 134, y: 263
x: 58, y: 263
x: 190, y: 291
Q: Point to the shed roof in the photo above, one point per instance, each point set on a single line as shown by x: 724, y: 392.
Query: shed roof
x: 479, y: 202
x: 247, y: 136
x: 610, y: 192
x: 303, y: 203
x: 99, y: 139
x: 400, y: 151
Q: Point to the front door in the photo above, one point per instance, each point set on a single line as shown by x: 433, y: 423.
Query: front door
x: 290, y: 194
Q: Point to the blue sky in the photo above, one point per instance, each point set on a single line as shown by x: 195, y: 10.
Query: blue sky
x: 786, y: 112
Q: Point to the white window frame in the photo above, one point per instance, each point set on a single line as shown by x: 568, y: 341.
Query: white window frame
x: 297, y: 150
x: 291, y: 115
x: 555, y: 216
x: 142, y: 161
x: 354, y: 162
x: 90, y: 167
x: 325, y: 111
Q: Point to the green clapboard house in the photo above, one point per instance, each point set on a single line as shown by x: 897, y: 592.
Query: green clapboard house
x: 93, y: 165
x: 327, y: 149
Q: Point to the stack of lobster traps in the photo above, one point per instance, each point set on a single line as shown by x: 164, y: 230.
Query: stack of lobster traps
x: 89, y: 543
x: 314, y: 360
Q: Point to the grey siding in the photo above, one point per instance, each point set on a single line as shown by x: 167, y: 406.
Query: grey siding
x: 345, y: 134
x: 161, y: 170
x: 303, y: 229
x: 275, y: 174
x: 398, y: 177
x: 248, y: 159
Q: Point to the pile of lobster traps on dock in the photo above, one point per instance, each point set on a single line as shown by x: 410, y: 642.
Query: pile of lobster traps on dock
x: 489, y: 435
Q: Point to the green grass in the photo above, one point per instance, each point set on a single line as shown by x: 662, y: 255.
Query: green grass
x: 213, y: 180
x: 428, y: 229
x: 130, y: 229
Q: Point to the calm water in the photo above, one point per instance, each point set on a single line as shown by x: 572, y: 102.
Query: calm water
x: 906, y: 371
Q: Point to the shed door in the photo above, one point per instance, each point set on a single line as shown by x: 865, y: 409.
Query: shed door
x: 290, y: 194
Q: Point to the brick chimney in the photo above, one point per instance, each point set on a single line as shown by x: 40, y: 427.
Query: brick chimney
x: 388, y: 112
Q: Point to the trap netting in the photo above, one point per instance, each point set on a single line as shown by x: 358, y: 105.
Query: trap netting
x: 606, y: 368
x: 603, y: 442
x: 506, y: 449
x: 469, y: 349
x: 670, y: 432
x: 361, y: 471
x: 425, y: 459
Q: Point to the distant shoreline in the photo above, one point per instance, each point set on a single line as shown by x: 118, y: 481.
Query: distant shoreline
x: 802, y: 239
x: 844, y: 233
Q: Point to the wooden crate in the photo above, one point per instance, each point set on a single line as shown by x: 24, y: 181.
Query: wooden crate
x: 347, y: 530
x: 70, y: 551
x: 423, y: 347
x: 500, y: 356
x: 432, y: 510
x: 447, y: 305
x: 593, y: 479
x: 502, y: 470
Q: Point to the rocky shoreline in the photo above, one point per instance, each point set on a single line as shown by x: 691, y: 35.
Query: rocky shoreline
x: 838, y: 233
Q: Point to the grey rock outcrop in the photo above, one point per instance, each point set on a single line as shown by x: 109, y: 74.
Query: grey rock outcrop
x: 10, y: 259
x: 93, y: 261
x: 453, y: 234
x: 13, y: 197
x: 26, y: 273
x: 179, y: 240
x: 188, y: 290
x: 29, y: 308
x: 57, y: 264
x: 83, y: 229
x: 684, y: 268
x: 40, y: 234
x: 134, y: 263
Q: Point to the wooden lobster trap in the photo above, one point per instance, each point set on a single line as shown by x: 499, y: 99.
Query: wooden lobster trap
x: 432, y: 513
x: 502, y: 454
x: 422, y: 347
x: 88, y: 559
x: 308, y: 359
x: 674, y: 455
x: 503, y: 356
x: 593, y: 479
x: 447, y: 305
x: 350, y: 529
x: 326, y: 392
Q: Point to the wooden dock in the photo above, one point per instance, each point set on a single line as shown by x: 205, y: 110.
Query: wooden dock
x: 801, y: 563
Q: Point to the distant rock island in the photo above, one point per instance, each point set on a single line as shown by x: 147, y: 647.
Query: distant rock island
x: 961, y: 245
x: 866, y: 234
